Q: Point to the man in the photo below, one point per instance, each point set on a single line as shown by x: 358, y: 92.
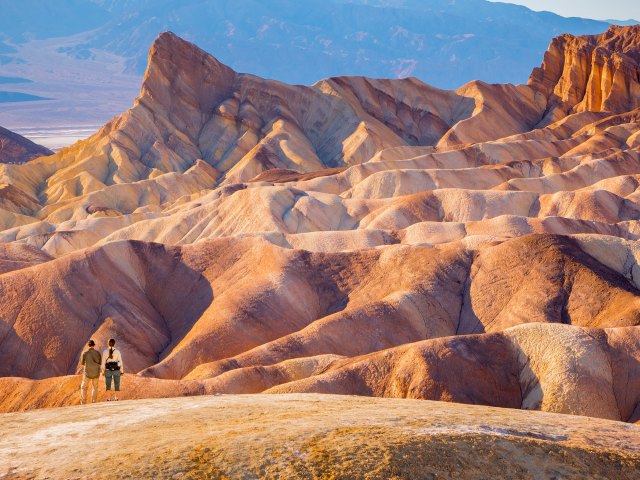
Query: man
x: 92, y: 361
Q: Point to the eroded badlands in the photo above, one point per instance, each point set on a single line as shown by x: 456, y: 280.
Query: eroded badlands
x: 359, y: 236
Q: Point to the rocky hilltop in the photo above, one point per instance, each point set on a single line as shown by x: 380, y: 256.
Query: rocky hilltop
x: 359, y: 236
x: 314, y: 436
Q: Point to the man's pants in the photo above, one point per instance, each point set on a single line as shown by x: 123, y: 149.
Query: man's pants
x: 115, y: 375
x: 85, y: 385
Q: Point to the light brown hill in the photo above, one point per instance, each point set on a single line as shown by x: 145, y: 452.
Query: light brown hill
x: 554, y: 368
x: 193, y: 108
x: 198, y: 125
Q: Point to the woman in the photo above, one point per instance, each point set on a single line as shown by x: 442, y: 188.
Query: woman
x: 112, y: 368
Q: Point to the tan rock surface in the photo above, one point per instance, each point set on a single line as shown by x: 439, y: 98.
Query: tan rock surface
x: 311, y: 436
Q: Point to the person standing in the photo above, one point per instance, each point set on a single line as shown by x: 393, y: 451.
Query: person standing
x: 112, y: 368
x: 91, y: 360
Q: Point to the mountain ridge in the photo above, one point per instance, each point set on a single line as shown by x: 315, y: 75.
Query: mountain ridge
x: 105, y: 43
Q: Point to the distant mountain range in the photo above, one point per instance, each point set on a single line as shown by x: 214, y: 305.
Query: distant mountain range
x: 445, y: 43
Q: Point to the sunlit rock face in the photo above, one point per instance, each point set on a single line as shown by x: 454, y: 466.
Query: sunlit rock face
x: 597, y: 73
x: 359, y: 236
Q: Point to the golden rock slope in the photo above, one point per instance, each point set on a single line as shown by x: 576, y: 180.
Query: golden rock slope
x: 309, y: 437
x: 373, y: 237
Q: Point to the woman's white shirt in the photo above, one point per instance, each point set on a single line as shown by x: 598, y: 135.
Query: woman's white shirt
x: 116, y: 357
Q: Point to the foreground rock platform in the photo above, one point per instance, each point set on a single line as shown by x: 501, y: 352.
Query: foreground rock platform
x: 311, y: 436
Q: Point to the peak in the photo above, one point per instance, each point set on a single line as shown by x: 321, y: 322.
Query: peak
x: 167, y: 36
x: 621, y: 39
x: 180, y: 74
x: 170, y: 41
x: 170, y: 47
x: 617, y: 39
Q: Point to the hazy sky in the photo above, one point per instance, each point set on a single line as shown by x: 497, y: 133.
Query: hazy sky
x: 598, y: 9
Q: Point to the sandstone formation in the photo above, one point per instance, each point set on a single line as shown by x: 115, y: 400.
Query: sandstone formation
x: 358, y: 236
x: 595, y: 73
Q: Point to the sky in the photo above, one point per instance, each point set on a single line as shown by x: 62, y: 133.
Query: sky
x: 596, y: 9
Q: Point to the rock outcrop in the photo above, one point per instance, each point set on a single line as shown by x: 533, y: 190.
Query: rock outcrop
x: 591, y: 73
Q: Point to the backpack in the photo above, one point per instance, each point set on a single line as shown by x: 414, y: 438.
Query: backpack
x: 111, y: 365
